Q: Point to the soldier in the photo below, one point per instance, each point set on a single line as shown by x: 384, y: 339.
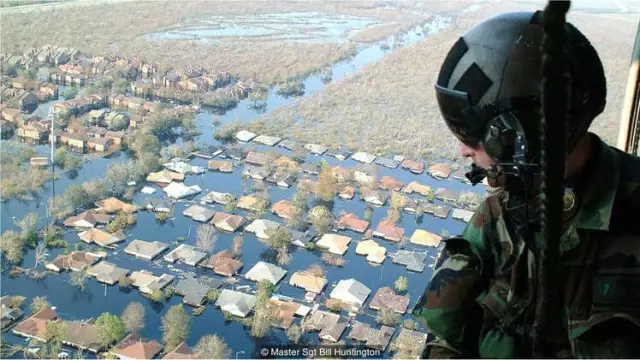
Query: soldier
x: 481, y: 299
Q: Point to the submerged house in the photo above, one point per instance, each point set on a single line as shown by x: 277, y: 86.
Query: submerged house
x: 266, y: 271
x: 236, y: 303
x: 351, y: 292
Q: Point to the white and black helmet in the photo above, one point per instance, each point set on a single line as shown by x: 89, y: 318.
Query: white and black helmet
x: 496, y: 67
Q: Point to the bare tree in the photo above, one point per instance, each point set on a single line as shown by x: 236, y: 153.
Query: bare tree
x: 133, y: 317
x: 28, y: 223
x: 39, y: 303
x: 236, y: 247
x: 79, y: 278
x: 39, y: 254
x: 176, y: 325
x: 211, y: 347
x: 206, y: 237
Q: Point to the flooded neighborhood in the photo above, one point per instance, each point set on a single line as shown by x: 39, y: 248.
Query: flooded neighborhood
x: 153, y: 209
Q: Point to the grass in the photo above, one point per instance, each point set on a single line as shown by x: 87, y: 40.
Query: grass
x: 120, y: 27
x: 390, y: 106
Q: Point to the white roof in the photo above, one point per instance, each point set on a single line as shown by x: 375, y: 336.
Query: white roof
x: 244, y: 135
x: 235, y: 302
x: 363, y: 157
x: 148, y: 190
x: 350, y: 291
x: 260, y: 227
x: 334, y: 243
x: 266, y: 271
x: 267, y: 140
x: 178, y: 190
x: 461, y: 214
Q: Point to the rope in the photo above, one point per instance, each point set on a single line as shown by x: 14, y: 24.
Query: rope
x: 556, y: 88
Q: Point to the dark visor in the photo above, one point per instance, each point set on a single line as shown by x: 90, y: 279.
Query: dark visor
x: 460, y: 116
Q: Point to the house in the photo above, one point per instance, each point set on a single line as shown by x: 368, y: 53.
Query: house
x: 347, y: 192
x: 334, y: 243
x: 133, y: 347
x: 461, y: 175
x: 208, y: 152
x: 194, y: 290
x: 284, y: 209
x: 106, y: 272
x: 250, y: 203
x: 286, y: 312
x: 374, y: 197
x: 265, y: 271
x: 262, y: 228
x: 147, y: 250
x: 308, y: 185
x: 148, y: 283
x: 164, y: 177
x: 83, y: 335
x: 391, y: 184
x: 413, y: 260
x: 112, y: 205
x: 446, y: 194
x: 411, y: 338
x: 116, y: 136
x: 181, y: 352
x: 27, y: 101
x: 461, y: 214
x: 300, y: 238
x: 221, y: 166
x: 282, y: 179
x: 74, y: 261
x: 236, y: 153
x: 245, y: 136
x: 289, y: 144
x: 99, y: 144
x: 308, y: 281
x: 87, y: 219
x: 386, y: 162
x: 236, y: 303
x: 186, y: 254
x: 179, y: 190
x: 39, y: 161
x: 441, y: 211
x: 363, y: 157
x: 34, y: 130
x: 389, y: 231
x: 255, y: 172
x: 223, y: 263
x: 256, y: 159
x: 9, y: 313
x: 310, y: 168
x: 416, y: 167
x: 373, y: 338
x: 340, y: 154
x: 351, y: 222
x: 267, y: 140
x: 417, y: 187
x: 316, y: 149
x: 330, y: 325
x: 350, y: 291
x: 439, y: 171
x: 183, y: 167
x: 199, y: 213
x: 12, y: 115
x: 102, y: 238
x: 227, y: 222
x: 36, y: 325
x: 218, y: 198
x: 387, y: 297
x: 374, y: 252
x: 157, y: 205
x: 425, y: 238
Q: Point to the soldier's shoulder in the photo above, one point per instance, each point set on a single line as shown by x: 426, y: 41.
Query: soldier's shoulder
x: 629, y: 179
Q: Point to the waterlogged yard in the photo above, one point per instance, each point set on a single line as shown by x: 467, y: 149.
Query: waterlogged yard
x: 297, y: 26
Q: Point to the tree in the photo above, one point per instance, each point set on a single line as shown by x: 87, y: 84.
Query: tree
x: 388, y: 317
x: 76, y: 196
x: 265, y: 291
x: 28, y: 226
x: 230, y: 207
x: 206, y: 237
x: 393, y: 215
x: 401, y: 284
x: 133, y: 317
x: 316, y: 270
x: 111, y: 328
x: 211, y: 347
x: 236, y: 247
x: 79, y: 278
x: 12, y: 245
x: 321, y: 219
x: 70, y: 92
x: 176, y: 325
x: 368, y: 212
x: 444, y: 233
x: 265, y: 314
x: 294, y: 333
x: 117, y: 123
x: 326, y: 183
x: 39, y: 303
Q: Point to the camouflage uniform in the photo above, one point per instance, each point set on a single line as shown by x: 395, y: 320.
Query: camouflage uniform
x: 480, y: 301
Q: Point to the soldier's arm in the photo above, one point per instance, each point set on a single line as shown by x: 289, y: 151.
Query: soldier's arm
x: 449, y: 306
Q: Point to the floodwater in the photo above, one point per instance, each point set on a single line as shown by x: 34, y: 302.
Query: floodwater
x: 71, y: 303
x: 299, y: 26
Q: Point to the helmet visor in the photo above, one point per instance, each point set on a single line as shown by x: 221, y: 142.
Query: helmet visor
x: 460, y: 116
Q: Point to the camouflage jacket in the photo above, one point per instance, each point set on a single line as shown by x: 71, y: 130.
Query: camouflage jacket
x: 480, y: 300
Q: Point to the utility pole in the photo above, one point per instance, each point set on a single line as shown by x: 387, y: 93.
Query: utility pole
x: 51, y: 118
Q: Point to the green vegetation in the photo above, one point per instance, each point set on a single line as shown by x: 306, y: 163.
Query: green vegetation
x: 402, y: 284
x: 111, y: 327
x: 176, y: 325
x: 39, y: 303
x: 388, y: 317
